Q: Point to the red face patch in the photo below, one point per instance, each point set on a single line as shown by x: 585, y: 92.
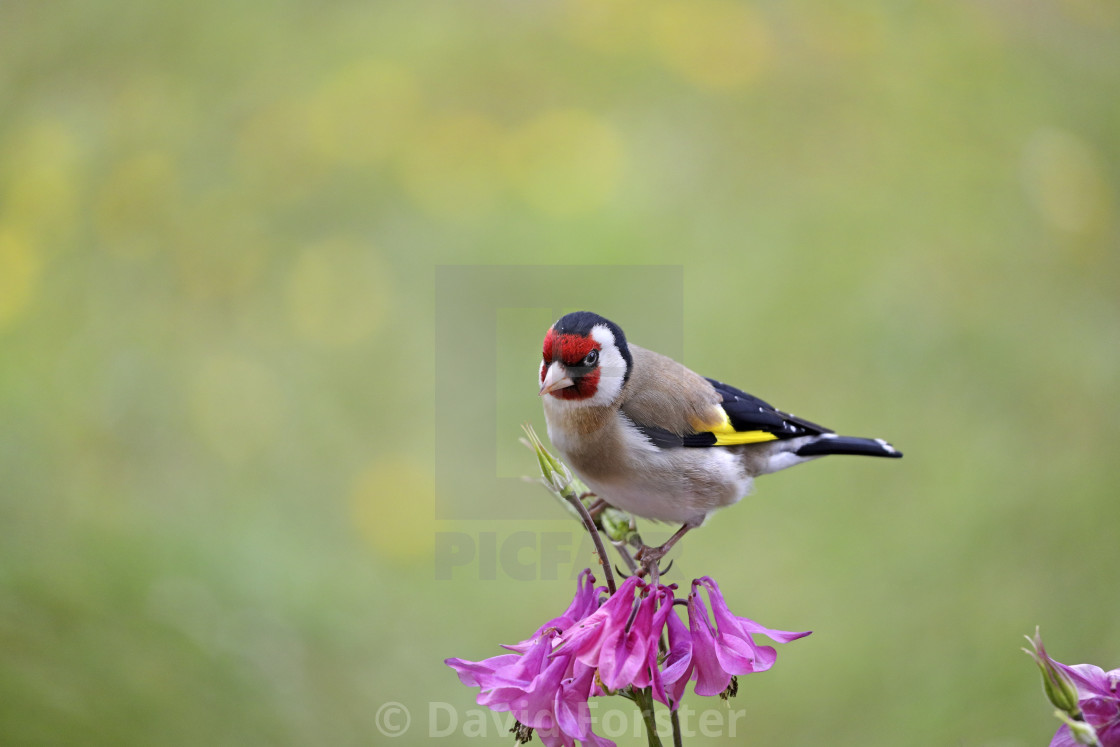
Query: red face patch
x: 584, y: 387
x: 570, y: 350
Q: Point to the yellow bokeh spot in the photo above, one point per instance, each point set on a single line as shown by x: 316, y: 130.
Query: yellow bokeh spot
x: 19, y: 273
x: 565, y: 162
x: 391, y: 505
x: 1065, y: 180
x: 236, y: 406
x: 135, y: 209
x: 337, y: 293
x: 41, y: 178
x: 715, y: 44
x: 362, y: 113
x: 453, y: 168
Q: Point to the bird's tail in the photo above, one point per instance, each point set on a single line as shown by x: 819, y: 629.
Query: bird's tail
x: 830, y: 443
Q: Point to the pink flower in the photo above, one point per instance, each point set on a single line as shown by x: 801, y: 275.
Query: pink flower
x: 727, y: 648
x: 628, y: 655
x: 1098, y: 695
x: 545, y: 692
x: 677, y: 669
x: 585, y: 638
x: 621, y: 638
x: 599, y: 646
x: 586, y: 601
x: 1087, y: 699
x: 545, y: 689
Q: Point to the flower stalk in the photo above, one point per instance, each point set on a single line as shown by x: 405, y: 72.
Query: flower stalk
x: 618, y: 526
x: 644, y: 700
x: 589, y: 525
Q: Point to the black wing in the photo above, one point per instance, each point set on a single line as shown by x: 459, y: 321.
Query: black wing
x: 749, y: 413
x: 751, y: 420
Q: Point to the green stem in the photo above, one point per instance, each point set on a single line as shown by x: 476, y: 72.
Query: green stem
x: 644, y: 699
x: 674, y: 717
x: 589, y: 525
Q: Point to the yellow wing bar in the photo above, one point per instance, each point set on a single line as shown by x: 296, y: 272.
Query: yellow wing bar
x: 726, y: 435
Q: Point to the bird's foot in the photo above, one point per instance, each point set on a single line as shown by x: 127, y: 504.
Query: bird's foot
x: 596, y: 506
x: 649, y: 562
x: 649, y: 557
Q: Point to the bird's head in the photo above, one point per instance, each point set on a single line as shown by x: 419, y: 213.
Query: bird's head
x: 585, y: 359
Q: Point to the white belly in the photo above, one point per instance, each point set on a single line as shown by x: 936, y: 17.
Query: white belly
x: 668, y: 492
x: 673, y: 485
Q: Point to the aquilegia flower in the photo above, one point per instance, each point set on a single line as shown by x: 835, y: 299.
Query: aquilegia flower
x: 723, y: 650
x: 1088, y: 699
x: 545, y: 689
x: 620, y: 639
x: 1099, y: 699
x: 599, y: 646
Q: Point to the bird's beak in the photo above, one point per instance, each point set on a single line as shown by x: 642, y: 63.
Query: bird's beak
x: 555, y: 378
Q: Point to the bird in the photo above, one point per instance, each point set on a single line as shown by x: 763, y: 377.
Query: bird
x: 650, y: 436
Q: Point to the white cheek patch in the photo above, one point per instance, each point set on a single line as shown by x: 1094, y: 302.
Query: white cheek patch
x: 540, y: 374
x: 612, y: 367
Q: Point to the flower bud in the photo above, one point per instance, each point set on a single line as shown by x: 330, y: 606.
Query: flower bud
x: 617, y: 525
x: 1082, y: 732
x: 1057, y: 686
x: 554, y: 473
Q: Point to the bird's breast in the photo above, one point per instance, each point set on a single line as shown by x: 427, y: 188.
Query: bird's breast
x: 623, y: 467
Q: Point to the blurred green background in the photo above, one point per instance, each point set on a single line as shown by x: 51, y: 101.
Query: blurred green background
x: 219, y: 228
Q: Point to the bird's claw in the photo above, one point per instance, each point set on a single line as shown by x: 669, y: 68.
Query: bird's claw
x: 649, y: 559
x: 642, y: 571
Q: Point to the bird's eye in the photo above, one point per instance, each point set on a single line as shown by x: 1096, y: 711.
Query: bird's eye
x: 591, y: 358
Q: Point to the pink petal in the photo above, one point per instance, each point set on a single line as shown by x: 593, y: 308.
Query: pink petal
x: 742, y: 656
x: 711, y: 678
x: 554, y: 737
x: 621, y: 661
x: 583, y: 604
x: 1109, y: 735
x: 680, y: 650
x: 521, y: 671
x: 532, y: 705
x: 1063, y: 738
x: 679, y: 667
x: 586, y: 637
x: 479, y: 673
x: 779, y: 636
x: 649, y: 674
x: 744, y: 627
x: 1100, y: 711
x: 1089, y: 679
x: 594, y: 740
x: 573, y: 715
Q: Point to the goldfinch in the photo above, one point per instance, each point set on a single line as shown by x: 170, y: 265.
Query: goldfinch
x: 651, y: 437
